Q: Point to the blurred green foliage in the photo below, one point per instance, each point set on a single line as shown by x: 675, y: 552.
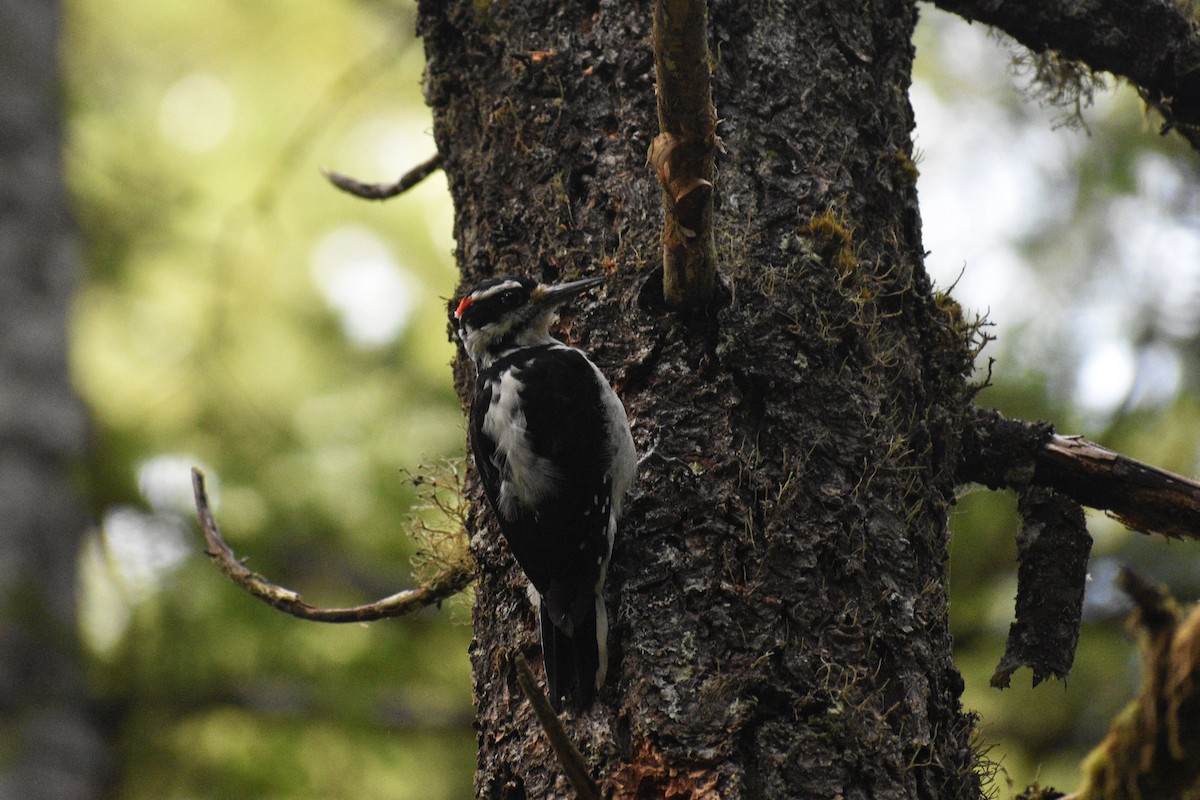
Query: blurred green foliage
x: 240, y: 314
x: 1097, y: 321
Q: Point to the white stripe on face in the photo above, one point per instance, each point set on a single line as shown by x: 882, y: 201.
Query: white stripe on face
x: 526, y: 479
x: 492, y: 291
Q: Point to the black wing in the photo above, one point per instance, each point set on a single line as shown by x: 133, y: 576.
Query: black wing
x: 562, y: 543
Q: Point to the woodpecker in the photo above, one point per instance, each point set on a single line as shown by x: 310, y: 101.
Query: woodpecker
x: 552, y: 445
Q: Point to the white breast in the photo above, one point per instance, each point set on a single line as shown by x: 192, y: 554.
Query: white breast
x: 525, y: 477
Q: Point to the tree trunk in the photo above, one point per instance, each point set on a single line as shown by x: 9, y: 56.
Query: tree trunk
x: 778, y: 588
x: 51, y: 746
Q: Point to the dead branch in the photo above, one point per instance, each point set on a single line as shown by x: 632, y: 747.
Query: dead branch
x: 684, y: 152
x: 1004, y: 453
x: 446, y: 584
x: 569, y: 757
x: 1143, y: 497
x: 385, y: 191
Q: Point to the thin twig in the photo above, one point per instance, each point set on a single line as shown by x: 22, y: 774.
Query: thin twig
x: 446, y: 584
x: 574, y: 767
x: 385, y: 191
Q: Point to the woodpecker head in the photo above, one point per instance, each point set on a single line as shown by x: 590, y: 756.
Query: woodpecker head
x: 500, y: 314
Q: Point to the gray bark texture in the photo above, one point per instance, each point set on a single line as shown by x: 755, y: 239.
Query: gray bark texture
x: 778, y: 588
x: 50, y: 746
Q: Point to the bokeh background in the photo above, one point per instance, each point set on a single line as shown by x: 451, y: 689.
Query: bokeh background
x: 239, y: 314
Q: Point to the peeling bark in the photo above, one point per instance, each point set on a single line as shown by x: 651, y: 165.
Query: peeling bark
x: 1053, y: 549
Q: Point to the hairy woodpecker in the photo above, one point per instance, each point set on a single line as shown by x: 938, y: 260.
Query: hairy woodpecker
x: 552, y: 445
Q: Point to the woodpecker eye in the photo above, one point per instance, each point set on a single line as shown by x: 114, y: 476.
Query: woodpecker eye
x: 490, y: 302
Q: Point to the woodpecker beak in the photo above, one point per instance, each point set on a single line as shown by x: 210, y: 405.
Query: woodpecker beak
x: 554, y: 295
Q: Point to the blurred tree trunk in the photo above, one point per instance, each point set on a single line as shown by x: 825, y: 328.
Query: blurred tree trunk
x: 51, y: 746
x: 778, y: 589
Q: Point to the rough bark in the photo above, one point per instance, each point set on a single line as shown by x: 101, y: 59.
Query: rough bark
x: 778, y: 586
x: 52, y: 747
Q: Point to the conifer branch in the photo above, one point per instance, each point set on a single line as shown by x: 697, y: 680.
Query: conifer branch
x: 1008, y: 453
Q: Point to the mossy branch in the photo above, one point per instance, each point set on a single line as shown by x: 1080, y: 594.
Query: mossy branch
x: 684, y: 152
x: 1153, y: 43
x: 1152, y: 751
x: 451, y: 580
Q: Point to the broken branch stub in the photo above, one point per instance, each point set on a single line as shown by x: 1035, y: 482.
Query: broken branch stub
x: 1013, y: 454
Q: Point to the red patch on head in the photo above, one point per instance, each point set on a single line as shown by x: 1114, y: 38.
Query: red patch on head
x: 462, y: 306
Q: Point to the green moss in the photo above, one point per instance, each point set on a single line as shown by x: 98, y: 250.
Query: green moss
x: 906, y: 167
x: 958, y: 335
x: 834, y: 239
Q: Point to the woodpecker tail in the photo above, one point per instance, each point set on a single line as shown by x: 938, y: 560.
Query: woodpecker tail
x: 576, y: 662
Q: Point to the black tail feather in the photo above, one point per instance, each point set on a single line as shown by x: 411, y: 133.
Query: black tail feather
x: 572, y: 661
